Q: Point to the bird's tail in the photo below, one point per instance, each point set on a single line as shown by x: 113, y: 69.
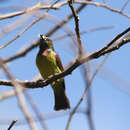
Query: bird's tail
x: 61, y: 100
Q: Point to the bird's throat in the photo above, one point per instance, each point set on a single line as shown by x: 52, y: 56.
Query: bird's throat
x: 46, y: 52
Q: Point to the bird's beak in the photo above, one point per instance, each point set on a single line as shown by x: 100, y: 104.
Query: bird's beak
x: 41, y: 36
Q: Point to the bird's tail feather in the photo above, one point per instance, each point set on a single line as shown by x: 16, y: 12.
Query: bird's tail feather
x: 61, y: 100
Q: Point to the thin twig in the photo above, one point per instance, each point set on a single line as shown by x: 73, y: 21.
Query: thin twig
x: 83, y: 32
x: 8, y: 94
x: 77, y: 30
x: 76, y: 63
x: 105, y: 6
x: 117, y: 46
x: 23, y: 31
x: 37, y: 111
x: 58, y: 6
x: 112, y: 42
x: 76, y: 107
x: 36, y: 43
x: 89, y: 110
x: 20, y: 98
x: 12, y: 124
x: 89, y: 97
x: 68, y: 18
x: 86, y: 76
x: 126, y: 3
x: 28, y: 27
x: 14, y: 25
x: 11, y: 93
x: 24, y: 52
x: 84, y: 94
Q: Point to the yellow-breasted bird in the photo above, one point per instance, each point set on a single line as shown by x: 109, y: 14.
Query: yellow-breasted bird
x: 49, y: 63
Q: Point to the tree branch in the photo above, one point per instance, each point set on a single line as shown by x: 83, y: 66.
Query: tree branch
x: 20, y: 98
x: 25, y: 51
x: 76, y: 63
x: 58, y: 6
x: 76, y: 18
x: 12, y: 124
x: 27, y: 27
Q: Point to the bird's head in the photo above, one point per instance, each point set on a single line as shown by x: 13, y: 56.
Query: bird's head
x: 45, y: 43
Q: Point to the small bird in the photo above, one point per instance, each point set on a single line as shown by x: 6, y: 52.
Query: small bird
x: 49, y: 63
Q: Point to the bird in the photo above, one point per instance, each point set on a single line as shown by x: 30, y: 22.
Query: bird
x: 49, y: 63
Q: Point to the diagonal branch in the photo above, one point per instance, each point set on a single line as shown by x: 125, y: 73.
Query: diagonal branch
x: 37, y: 111
x: 83, y: 32
x: 27, y: 27
x: 20, y: 98
x: 24, y: 30
x: 52, y: 31
x: 76, y: 63
x: 68, y: 18
x: 114, y: 40
x: 12, y: 124
x: 22, y: 53
x: 88, y: 85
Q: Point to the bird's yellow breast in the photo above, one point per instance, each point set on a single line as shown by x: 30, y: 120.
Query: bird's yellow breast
x: 47, y: 65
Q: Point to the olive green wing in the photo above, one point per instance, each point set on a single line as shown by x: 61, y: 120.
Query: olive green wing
x: 59, y: 63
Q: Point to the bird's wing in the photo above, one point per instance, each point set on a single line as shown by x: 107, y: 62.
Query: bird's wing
x: 59, y: 63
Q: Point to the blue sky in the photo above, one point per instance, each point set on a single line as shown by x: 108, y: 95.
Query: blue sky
x: 110, y: 104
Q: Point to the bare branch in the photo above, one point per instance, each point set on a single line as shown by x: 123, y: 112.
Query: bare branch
x: 19, y: 85
x: 24, y: 52
x: 12, y: 124
x: 69, y: 17
x: 58, y: 6
x: 24, y: 30
x: 121, y: 42
x: 126, y: 3
x: 20, y: 98
x: 37, y: 111
x: 106, y: 7
x: 27, y: 27
x: 83, y: 32
x: 14, y: 25
x: 76, y: 28
x: 76, y: 63
x: 89, y: 110
x: 117, y: 46
x: 89, y: 83
x: 8, y: 94
x: 36, y: 43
